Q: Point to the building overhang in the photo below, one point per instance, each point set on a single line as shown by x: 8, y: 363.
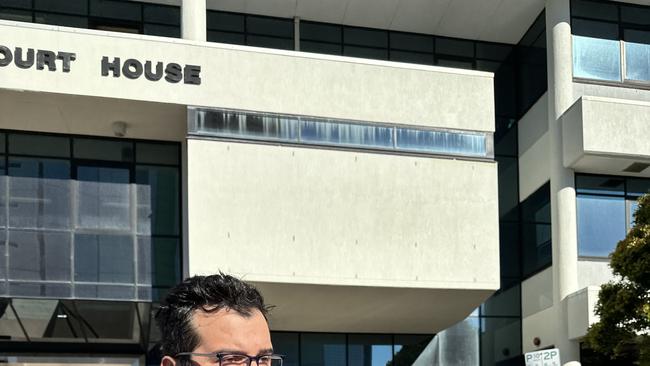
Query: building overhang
x: 607, y: 136
x: 485, y: 20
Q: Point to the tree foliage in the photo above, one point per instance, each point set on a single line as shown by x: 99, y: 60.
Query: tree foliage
x: 622, y: 336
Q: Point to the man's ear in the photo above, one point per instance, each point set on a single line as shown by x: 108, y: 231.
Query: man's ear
x: 167, y: 361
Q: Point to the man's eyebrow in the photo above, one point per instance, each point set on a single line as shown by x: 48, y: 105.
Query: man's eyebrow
x: 239, y: 352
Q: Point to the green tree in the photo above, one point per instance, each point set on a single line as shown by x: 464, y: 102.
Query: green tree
x: 622, y: 336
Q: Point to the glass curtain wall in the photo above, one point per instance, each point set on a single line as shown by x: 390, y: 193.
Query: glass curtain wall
x: 111, y: 15
x: 611, y: 41
x: 605, y: 210
x: 88, y: 218
x: 348, y: 349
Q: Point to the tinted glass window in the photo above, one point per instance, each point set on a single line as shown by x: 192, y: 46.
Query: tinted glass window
x: 365, y: 37
x: 61, y: 20
x: 492, y: 51
x: 25, y: 4
x: 39, y: 255
x: 40, y: 193
x: 508, y: 192
x: 39, y: 145
x: 157, y: 214
x: 411, y: 42
x: 454, y: 47
x: 225, y: 21
x: 126, y: 10
x: 323, y: 349
x: 412, y: 57
x: 269, y: 26
x: 69, y: 6
x: 320, y: 32
x: 162, y: 14
x: 600, y: 185
x: 103, y: 149
x: 156, y: 153
x: 287, y: 344
x: 16, y: 15
x: 270, y: 42
x: 162, y: 30
x: 595, y: 29
x: 320, y: 47
x: 601, y: 224
x: 635, y: 14
x: 102, y: 258
x: 364, y: 52
x: 369, y: 349
x: 225, y: 37
x: 594, y: 10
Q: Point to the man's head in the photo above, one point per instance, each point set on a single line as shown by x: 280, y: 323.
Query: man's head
x: 213, y: 314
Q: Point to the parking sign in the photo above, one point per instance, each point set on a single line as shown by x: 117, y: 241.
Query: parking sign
x: 547, y: 357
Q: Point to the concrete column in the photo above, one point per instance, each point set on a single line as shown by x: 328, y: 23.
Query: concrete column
x: 193, y: 20
x: 563, y: 196
x: 296, y: 33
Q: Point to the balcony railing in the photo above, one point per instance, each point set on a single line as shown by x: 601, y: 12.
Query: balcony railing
x: 611, y: 60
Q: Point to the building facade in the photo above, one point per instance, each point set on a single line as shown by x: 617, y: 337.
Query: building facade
x: 408, y: 182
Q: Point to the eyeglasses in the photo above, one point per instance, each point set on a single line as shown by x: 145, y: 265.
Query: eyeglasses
x: 233, y: 359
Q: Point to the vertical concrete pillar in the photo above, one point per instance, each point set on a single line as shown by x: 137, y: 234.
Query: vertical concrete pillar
x: 563, y: 196
x: 296, y: 33
x: 193, y: 20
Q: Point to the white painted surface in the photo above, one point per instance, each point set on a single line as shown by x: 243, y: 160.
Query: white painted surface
x: 72, y: 114
x: 534, y: 148
x: 563, y: 196
x: 541, y: 325
x: 287, y: 215
x: 241, y: 77
x: 580, y: 311
x: 503, y: 21
x: 537, y: 293
x: 608, y: 131
x: 193, y: 20
x: 594, y: 273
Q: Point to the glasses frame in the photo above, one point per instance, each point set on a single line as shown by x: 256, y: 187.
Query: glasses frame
x: 220, y: 355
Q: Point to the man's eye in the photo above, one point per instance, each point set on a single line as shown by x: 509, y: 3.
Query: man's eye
x: 234, y: 360
x: 265, y: 361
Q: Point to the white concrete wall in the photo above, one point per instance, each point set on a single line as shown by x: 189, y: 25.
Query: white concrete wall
x: 534, y: 148
x: 541, y: 325
x: 537, y: 293
x: 347, y: 221
x: 258, y: 79
x: 71, y: 114
x: 338, y: 217
x: 605, y: 135
x: 594, y: 273
x: 580, y: 311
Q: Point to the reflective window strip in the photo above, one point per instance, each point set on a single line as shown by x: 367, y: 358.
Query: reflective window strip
x: 327, y: 132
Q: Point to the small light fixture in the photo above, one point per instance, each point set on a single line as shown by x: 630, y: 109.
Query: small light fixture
x: 119, y: 128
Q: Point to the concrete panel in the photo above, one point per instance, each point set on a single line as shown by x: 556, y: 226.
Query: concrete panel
x: 606, y: 91
x: 324, y: 308
x: 533, y: 125
x: 541, y: 325
x: 608, y: 131
x: 594, y: 273
x: 537, y: 293
x: 534, y: 168
x: 266, y: 80
x: 72, y: 114
x: 580, y: 311
x: 534, y: 148
x: 290, y: 215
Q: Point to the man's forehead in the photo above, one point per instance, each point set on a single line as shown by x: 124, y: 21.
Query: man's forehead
x: 228, y: 330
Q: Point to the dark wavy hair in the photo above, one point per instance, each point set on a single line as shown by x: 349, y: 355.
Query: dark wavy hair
x: 209, y: 294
